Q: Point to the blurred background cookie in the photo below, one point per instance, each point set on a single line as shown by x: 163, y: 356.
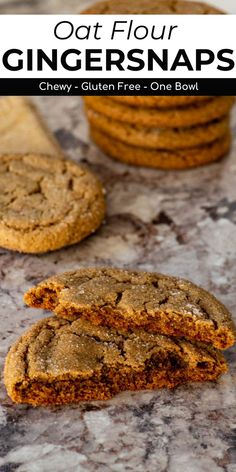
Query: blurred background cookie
x: 142, y: 130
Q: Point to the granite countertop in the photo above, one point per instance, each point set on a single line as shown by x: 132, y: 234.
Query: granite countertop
x: 181, y: 223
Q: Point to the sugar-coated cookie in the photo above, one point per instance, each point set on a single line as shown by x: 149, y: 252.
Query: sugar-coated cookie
x: 46, y: 203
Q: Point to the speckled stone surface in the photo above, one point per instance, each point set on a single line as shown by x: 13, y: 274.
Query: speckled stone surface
x: 178, y: 223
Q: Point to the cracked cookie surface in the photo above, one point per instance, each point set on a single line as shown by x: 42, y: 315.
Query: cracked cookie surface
x: 128, y: 300
x: 58, y: 362
x: 46, y: 203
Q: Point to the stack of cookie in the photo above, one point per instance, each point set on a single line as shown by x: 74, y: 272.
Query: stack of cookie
x: 116, y: 330
x: 166, y: 138
x: 163, y: 132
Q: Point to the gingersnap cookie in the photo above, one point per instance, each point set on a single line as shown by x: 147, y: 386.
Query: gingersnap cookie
x: 46, y: 203
x: 163, y: 7
x: 59, y: 362
x: 22, y: 129
x: 159, y: 138
x: 131, y: 300
x: 155, y: 101
x: 193, y: 115
x: 149, y: 7
x: 160, y: 158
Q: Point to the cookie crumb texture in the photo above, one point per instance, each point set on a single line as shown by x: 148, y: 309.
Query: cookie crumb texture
x: 46, y: 203
x: 129, y: 300
x: 59, y: 362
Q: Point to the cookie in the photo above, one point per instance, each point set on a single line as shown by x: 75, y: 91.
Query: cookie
x: 140, y: 7
x: 193, y: 115
x: 46, y: 203
x: 129, y: 300
x: 59, y: 362
x: 158, y: 138
x: 162, y: 159
x: 22, y: 129
x: 160, y: 7
x: 159, y: 101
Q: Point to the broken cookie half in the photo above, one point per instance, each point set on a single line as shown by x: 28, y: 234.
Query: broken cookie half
x: 58, y: 361
x: 130, y: 300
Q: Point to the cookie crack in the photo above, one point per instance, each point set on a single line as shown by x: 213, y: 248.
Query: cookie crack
x: 119, y: 344
x: 37, y: 225
x: 198, y: 303
x: 52, y: 332
x: 119, y: 296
